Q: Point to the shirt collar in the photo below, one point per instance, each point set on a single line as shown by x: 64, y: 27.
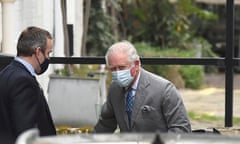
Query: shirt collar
x: 26, y: 64
x: 135, y: 84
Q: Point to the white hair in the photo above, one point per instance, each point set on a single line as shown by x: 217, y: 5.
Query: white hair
x: 123, y: 47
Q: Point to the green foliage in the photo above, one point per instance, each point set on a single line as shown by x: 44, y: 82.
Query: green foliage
x: 164, y: 23
x: 206, y: 47
x: 168, y: 24
x: 204, y: 117
x: 99, y: 36
x: 181, y: 76
x: 193, y: 76
x: 147, y: 50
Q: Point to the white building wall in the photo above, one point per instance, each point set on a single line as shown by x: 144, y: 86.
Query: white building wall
x: 78, y: 28
x: 58, y: 51
x: 0, y: 27
x: 8, y: 27
x: 75, y: 17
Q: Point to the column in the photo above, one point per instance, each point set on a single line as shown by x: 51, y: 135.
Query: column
x: 8, y: 30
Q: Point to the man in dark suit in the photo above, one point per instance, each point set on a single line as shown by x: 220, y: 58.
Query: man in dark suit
x: 22, y: 102
x: 157, y: 105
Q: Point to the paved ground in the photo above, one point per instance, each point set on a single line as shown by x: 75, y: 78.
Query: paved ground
x: 218, y: 80
x: 211, y: 100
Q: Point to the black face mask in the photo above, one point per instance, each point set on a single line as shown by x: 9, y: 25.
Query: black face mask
x: 44, y: 66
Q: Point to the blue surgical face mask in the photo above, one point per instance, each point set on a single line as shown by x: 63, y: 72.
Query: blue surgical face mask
x: 123, y: 77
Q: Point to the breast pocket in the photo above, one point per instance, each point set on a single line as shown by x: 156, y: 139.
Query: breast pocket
x: 151, y: 119
x: 149, y: 113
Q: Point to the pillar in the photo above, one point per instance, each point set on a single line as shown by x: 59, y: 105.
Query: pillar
x: 8, y: 30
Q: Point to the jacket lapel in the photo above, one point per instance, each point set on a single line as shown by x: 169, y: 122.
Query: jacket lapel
x: 139, y: 96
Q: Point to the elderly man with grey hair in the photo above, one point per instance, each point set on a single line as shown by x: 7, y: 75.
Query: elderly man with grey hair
x: 139, y: 101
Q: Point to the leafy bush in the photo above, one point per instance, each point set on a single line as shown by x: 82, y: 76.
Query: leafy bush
x: 182, y: 76
x: 193, y: 76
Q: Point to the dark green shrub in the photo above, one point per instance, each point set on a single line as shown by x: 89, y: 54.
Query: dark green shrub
x: 193, y: 76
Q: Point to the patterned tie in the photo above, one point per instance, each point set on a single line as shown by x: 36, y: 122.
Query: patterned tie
x: 129, y: 103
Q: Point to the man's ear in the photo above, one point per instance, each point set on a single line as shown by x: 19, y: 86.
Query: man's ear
x: 37, y: 50
x: 137, y: 62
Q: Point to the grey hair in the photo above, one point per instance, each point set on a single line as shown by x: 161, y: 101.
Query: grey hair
x: 31, y: 38
x: 123, y: 47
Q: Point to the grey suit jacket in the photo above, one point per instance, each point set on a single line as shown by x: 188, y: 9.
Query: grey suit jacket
x: 157, y: 107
